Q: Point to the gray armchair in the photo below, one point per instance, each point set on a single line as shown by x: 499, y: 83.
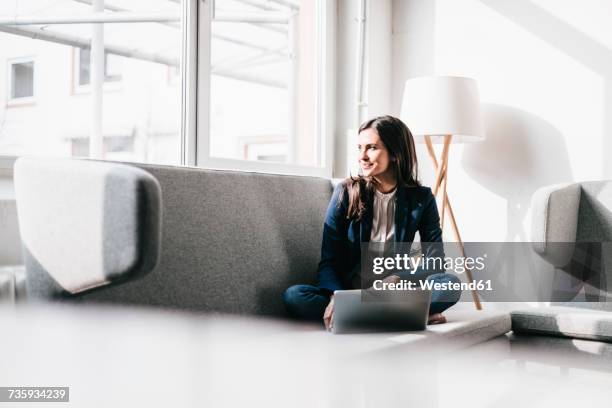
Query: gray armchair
x: 100, y: 226
x: 572, y: 230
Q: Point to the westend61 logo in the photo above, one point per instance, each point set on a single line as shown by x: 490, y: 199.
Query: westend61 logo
x: 412, y: 264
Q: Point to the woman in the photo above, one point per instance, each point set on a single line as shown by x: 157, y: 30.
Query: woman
x: 385, y: 204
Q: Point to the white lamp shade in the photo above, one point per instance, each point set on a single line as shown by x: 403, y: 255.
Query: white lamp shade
x: 443, y: 105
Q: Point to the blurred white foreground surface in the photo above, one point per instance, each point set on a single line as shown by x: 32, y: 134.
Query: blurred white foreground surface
x: 134, y: 357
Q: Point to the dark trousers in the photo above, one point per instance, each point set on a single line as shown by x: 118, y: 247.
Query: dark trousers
x: 309, y: 302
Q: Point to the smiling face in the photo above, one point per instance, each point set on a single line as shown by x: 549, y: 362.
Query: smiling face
x: 374, y: 158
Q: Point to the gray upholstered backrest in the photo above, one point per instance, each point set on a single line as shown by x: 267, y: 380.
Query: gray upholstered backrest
x: 594, y: 237
x: 85, y: 224
x: 573, y: 231
x: 555, y: 212
x: 232, y: 241
x: 595, y: 213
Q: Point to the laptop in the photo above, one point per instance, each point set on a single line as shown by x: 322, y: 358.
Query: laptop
x: 374, y: 311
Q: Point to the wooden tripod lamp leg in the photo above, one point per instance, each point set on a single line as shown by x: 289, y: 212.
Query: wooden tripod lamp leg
x: 447, y: 141
x: 440, y: 170
x: 441, y: 181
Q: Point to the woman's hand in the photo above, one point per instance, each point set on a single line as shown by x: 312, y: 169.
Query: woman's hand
x: 392, y: 279
x: 328, y: 316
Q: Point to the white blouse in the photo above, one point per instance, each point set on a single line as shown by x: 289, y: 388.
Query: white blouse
x: 383, y: 229
x: 383, y: 220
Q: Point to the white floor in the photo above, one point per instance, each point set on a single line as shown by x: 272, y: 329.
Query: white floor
x: 118, y: 357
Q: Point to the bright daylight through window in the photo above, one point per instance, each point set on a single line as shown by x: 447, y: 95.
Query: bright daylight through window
x: 50, y: 53
x: 265, y: 61
x: 104, y: 79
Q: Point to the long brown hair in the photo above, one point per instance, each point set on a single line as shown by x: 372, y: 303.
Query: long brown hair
x: 398, y: 140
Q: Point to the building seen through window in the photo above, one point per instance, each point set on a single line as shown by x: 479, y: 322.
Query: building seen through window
x: 260, y: 82
x: 50, y: 106
x: 112, y: 66
x: 22, y: 79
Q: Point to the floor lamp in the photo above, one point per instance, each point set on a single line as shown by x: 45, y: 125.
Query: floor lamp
x: 445, y: 110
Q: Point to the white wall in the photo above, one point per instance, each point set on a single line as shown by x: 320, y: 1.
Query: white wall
x: 346, y: 48
x: 378, y: 61
x: 544, y: 68
x: 376, y: 74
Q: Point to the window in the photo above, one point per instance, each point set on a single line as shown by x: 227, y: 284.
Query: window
x: 21, y: 79
x: 112, y: 67
x: 138, y: 121
x: 248, y: 89
x: 264, y: 100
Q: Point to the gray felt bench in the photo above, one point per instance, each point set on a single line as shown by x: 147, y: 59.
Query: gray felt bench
x: 184, y: 239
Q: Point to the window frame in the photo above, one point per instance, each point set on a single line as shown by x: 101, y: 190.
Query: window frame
x: 195, y: 95
x: 324, y: 110
x: 25, y: 100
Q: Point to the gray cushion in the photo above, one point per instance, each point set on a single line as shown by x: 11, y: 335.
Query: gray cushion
x: 85, y: 224
x: 595, y: 216
x: 232, y: 241
x: 564, y: 321
x: 595, y: 237
x: 572, y: 230
x: 555, y: 219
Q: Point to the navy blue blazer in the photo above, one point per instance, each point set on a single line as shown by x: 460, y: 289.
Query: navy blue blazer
x: 415, y: 210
